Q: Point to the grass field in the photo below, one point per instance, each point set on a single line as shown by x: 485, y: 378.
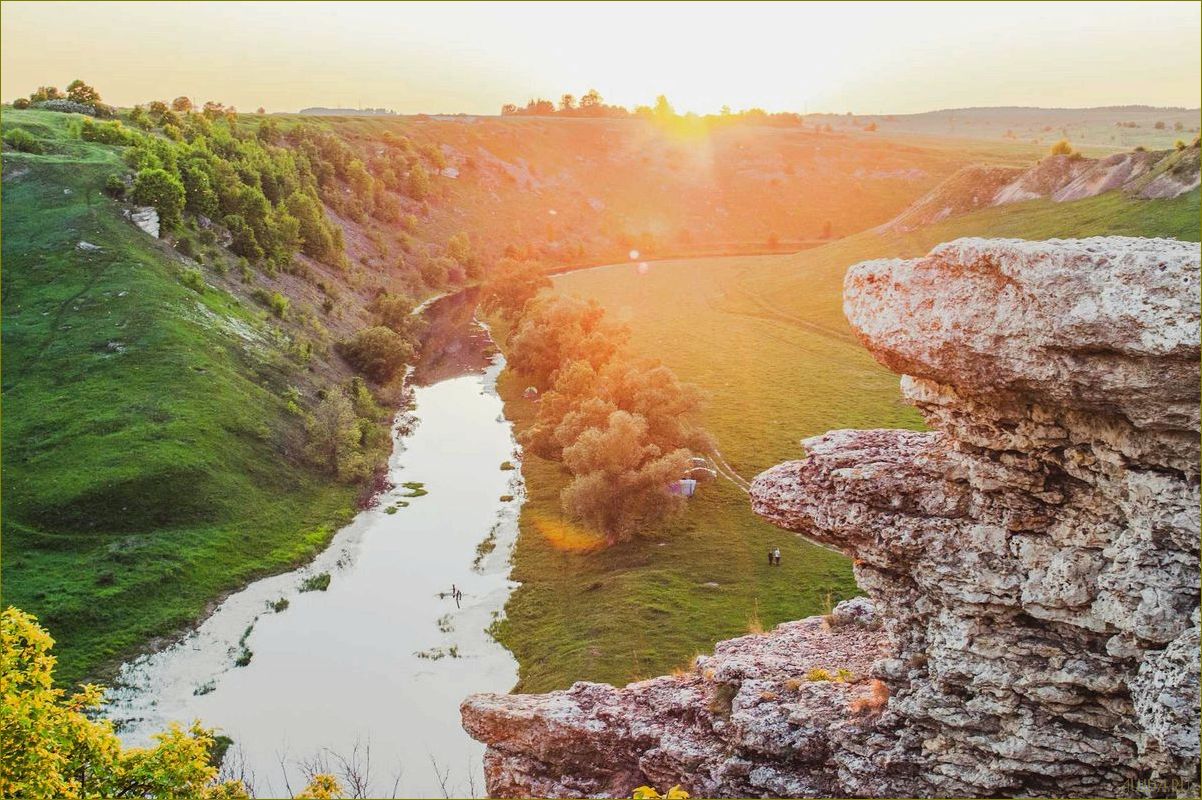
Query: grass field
x: 144, y: 423
x: 766, y: 339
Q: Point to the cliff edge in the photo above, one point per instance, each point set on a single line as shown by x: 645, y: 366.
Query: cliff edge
x: 1032, y: 562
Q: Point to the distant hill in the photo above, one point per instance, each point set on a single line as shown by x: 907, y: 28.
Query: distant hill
x: 319, y: 111
x: 1118, y: 127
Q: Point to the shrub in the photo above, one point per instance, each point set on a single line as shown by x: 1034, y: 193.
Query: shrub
x: 1062, y: 148
x: 417, y: 184
x: 106, y: 132
x: 23, y: 140
x: 316, y: 583
x: 1179, y: 145
x: 377, y: 352
x: 21, y: 102
x: 818, y: 674
x: 193, y: 280
x: 278, y: 304
x: 53, y: 744
x: 114, y: 186
x: 161, y: 189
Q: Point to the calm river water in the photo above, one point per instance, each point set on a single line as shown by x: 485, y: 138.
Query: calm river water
x: 379, y: 661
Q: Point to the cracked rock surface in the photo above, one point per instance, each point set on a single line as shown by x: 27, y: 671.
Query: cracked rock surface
x: 1032, y: 561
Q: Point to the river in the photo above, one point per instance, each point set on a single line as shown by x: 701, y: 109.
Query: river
x: 373, y: 668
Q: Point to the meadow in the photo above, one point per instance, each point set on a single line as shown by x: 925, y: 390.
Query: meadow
x: 765, y: 338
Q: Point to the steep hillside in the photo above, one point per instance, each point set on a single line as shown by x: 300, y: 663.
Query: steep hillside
x: 150, y: 458
x: 1161, y: 175
x: 572, y: 191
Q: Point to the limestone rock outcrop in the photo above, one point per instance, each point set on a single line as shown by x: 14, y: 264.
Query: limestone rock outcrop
x: 1032, y: 561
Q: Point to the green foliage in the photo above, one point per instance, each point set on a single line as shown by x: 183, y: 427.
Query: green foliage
x: 417, y: 183
x: 621, y: 479
x: 316, y: 583
x: 80, y: 92
x: 396, y: 313
x: 560, y: 330
x: 54, y: 748
x: 649, y: 793
x: 114, y: 186
x: 278, y: 304
x: 193, y: 279
x: 23, y: 140
x: 161, y: 189
x: 1062, y: 148
x: 377, y: 352
x: 112, y: 132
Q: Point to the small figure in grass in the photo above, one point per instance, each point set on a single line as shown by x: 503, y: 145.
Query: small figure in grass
x: 776, y: 556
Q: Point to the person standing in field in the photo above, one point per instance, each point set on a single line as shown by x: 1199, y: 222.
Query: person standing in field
x: 776, y: 556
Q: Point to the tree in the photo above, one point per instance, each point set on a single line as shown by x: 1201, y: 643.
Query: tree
x: 663, y: 109
x: 161, y: 189
x: 622, y: 480
x: 80, y: 92
x: 511, y: 284
x: 396, y: 313
x: 21, y: 102
x: 54, y: 747
x: 417, y: 184
x: 333, y: 436
x: 200, y: 199
x: 158, y: 108
x: 181, y: 104
x: 508, y: 110
x: 378, y: 352
x: 567, y: 104
x: 591, y: 100
x: 44, y: 93
x: 555, y: 331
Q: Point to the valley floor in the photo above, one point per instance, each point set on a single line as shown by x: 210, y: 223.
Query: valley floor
x: 765, y: 338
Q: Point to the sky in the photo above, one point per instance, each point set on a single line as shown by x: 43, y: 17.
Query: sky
x: 472, y: 57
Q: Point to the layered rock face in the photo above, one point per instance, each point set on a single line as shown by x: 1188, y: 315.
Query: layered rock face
x: 1033, y: 561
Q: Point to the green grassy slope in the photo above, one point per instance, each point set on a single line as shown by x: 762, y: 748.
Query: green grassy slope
x: 766, y: 339
x: 145, y: 439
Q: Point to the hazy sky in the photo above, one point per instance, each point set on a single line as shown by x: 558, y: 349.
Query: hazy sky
x: 416, y: 57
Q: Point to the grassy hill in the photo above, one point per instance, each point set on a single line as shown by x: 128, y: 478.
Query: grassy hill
x: 146, y: 433
x: 766, y: 340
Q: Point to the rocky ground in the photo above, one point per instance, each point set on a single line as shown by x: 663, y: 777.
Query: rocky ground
x: 1032, y: 561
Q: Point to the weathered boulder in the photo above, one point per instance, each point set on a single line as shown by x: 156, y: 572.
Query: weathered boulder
x: 146, y: 218
x: 751, y: 720
x: 1032, y: 561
